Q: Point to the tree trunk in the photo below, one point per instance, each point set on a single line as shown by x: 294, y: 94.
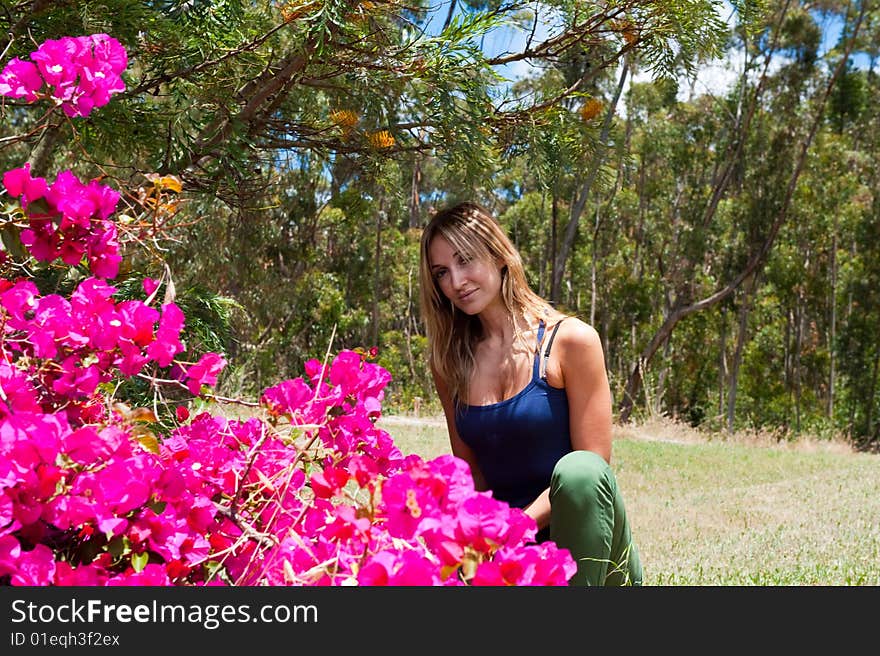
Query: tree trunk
x: 408, y: 326
x: 742, y: 330
x: 869, y: 419
x: 554, y: 231
x: 722, y: 361
x: 42, y: 153
x: 414, y: 202
x: 594, y: 266
x: 584, y: 193
x: 450, y: 14
x: 377, y: 269
x: 661, y: 380
x: 832, y: 338
x: 259, y: 97
x: 799, y: 312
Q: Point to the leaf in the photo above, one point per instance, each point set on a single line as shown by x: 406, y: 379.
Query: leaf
x: 122, y: 408
x: 143, y: 414
x: 169, y: 182
x: 139, y: 561
x: 170, y: 292
x: 157, y: 507
x: 12, y: 242
x: 289, y: 574
x: 40, y: 208
x: 147, y: 439
x: 118, y: 546
x: 163, y: 182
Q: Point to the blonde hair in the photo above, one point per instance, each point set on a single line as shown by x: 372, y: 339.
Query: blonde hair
x: 453, y: 335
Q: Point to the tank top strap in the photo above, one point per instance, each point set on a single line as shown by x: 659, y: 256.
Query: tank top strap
x: 542, y: 368
x: 536, y: 367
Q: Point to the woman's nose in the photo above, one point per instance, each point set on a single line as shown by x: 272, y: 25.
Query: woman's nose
x: 456, y: 278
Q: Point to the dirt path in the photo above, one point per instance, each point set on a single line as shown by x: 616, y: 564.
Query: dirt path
x: 403, y: 420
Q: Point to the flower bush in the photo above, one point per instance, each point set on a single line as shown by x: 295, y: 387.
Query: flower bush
x: 78, y: 73
x: 303, y: 490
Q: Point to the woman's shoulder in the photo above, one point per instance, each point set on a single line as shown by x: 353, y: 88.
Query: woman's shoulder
x: 575, y: 333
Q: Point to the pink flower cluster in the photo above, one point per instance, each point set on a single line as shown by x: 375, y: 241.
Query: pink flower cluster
x: 67, y: 219
x: 229, y: 502
x: 67, y: 347
x: 82, y: 73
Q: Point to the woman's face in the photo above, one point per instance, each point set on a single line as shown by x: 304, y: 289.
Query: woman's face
x: 472, y: 284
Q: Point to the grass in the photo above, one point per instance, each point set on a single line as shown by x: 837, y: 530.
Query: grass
x: 707, y: 510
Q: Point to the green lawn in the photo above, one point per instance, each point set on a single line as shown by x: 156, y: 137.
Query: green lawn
x: 719, y: 512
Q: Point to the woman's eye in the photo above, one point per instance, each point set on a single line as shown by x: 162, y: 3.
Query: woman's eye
x: 439, y: 274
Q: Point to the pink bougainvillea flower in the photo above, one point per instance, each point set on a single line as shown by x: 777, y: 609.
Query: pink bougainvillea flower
x: 82, y: 72
x: 20, y: 183
x: 10, y: 551
x: 287, y: 396
x: 204, y: 372
x: 138, y: 321
x: 346, y: 525
x: 85, y: 575
x: 34, y: 567
x: 71, y: 223
x: 103, y: 250
x: 408, y: 568
x: 480, y: 522
x: 167, y: 343
x: 57, y: 58
x: 153, y: 574
x: 329, y: 481
x: 68, y: 196
x: 150, y: 285
x: 20, y: 79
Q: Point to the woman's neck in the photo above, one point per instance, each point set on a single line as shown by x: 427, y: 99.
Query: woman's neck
x: 500, y: 326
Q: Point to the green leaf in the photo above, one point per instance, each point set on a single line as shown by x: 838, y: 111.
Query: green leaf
x: 40, y: 207
x: 157, y: 507
x: 118, y: 546
x: 139, y: 561
x: 12, y: 242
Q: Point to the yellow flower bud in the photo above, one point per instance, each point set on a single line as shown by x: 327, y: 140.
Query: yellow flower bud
x: 591, y: 109
x: 381, y: 139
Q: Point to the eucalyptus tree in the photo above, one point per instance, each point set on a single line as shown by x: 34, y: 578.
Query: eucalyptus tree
x: 854, y: 275
x: 800, y: 91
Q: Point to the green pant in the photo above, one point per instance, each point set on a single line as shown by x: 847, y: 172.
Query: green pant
x: 589, y: 519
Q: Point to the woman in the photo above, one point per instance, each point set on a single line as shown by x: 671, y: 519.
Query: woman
x: 525, y: 393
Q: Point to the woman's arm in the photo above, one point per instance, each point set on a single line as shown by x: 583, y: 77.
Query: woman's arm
x: 581, y: 368
x: 459, y: 448
x: 539, y: 509
x: 577, y: 363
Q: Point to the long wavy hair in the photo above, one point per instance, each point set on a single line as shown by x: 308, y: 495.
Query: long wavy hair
x: 473, y: 232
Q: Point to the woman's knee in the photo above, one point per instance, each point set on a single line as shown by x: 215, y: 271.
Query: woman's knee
x: 584, y: 474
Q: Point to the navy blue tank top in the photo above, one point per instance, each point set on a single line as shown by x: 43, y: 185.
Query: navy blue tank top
x: 518, y: 441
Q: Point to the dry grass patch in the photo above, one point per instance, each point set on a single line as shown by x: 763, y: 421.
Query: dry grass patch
x: 667, y: 430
